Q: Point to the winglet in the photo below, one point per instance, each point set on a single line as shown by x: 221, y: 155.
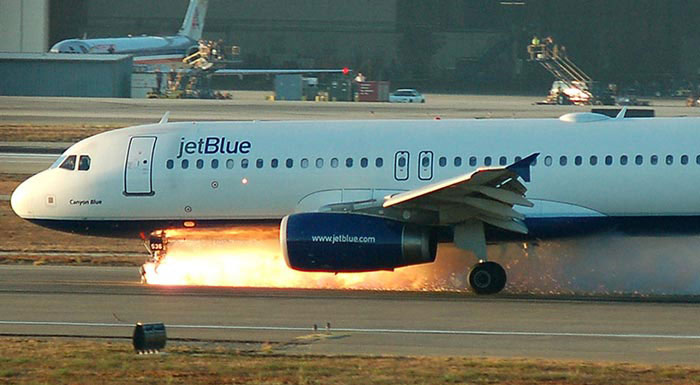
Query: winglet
x: 621, y: 114
x: 164, y: 119
x: 522, y: 167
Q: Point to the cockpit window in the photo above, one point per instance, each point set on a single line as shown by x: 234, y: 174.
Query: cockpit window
x: 58, y: 161
x: 69, y: 163
x: 84, y: 163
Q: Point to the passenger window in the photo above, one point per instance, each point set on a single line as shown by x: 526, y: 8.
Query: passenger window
x: 487, y: 161
x: 547, y: 160
x: 319, y: 162
x: 472, y: 161
x: 578, y: 160
x: 348, y: 162
x: 244, y: 163
x: 304, y: 163
x: 290, y: 163
x: 697, y: 159
x: 669, y: 159
x: 334, y: 162
x: 200, y: 163
x: 274, y: 163
x: 684, y: 159
x: 69, y: 163
x: 229, y: 163
x: 623, y: 160
x: 214, y: 163
x: 593, y: 160
x: 638, y: 160
x: 503, y: 161
x: 364, y: 162
x: 517, y: 159
x: 259, y: 163
x: 84, y: 163
x: 185, y: 164
x: 458, y: 161
x: 379, y: 162
x: 442, y: 161
x: 608, y: 160
x: 654, y: 159
x: 169, y: 164
x: 562, y: 160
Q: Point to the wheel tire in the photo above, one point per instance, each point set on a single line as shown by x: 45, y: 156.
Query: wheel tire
x: 487, y: 278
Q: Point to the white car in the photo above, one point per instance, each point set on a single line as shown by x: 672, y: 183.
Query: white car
x: 406, y: 95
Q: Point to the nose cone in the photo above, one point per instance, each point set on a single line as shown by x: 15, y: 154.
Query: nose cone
x: 21, y: 200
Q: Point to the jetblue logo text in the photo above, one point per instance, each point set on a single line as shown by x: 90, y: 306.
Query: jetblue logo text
x: 342, y: 238
x: 213, y: 145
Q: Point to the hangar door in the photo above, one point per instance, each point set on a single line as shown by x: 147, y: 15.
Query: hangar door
x: 138, y: 168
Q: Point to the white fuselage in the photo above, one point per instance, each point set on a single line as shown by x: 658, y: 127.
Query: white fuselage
x: 659, y: 178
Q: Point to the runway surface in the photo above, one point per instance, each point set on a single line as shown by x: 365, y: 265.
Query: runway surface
x: 251, y: 105
x: 107, y: 301
x: 25, y: 163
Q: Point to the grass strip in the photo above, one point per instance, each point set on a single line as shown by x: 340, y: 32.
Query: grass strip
x: 68, y: 361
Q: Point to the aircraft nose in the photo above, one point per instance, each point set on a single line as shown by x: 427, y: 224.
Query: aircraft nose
x: 21, y: 199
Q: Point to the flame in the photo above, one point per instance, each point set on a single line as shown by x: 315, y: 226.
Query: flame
x: 251, y: 257
x: 602, y: 264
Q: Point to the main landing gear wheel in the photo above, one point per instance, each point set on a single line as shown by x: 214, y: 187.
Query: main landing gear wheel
x: 487, y: 278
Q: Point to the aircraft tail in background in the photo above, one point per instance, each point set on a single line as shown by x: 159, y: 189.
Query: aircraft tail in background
x: 193, y: 25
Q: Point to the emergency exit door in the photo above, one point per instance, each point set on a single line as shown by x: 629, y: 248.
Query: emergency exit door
x: 401, y: 165
x: 425, y: 165
x: 138, y: 168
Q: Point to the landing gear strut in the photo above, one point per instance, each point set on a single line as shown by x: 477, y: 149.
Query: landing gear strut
x: 487, y: 278
x: 156, y: 246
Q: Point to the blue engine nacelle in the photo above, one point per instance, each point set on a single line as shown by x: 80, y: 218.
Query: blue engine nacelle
x: 335, y: 242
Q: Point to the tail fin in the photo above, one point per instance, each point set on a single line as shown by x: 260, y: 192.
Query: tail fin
x: 193, y: 24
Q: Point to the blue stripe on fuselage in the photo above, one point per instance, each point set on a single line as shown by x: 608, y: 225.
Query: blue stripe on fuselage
x: 539, y: 228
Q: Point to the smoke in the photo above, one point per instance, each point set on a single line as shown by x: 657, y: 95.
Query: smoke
x: 606, y: 264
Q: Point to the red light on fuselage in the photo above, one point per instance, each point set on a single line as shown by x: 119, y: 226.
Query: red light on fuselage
x: 346, y: 71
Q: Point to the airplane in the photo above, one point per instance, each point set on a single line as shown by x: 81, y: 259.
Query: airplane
x: 354, y: 196
x: 147, y: 49
x: 171, y: 50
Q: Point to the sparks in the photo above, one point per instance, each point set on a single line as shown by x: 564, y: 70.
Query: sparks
x: 251, y: 257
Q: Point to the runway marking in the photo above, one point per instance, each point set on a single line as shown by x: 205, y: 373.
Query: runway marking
x: 373, y: 331
x: 21, y: 155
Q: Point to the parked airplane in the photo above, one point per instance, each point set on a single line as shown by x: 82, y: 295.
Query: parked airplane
x: 170, y: 50
x: 356, y: 196
x: 147, y: 49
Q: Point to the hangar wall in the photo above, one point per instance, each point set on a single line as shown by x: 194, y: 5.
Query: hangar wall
x: 24, y: 25
x: 458, y: 44
x: 32, y: 74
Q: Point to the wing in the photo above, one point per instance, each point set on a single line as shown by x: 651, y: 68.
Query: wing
x: 241, y: 72
x: 487, y: 194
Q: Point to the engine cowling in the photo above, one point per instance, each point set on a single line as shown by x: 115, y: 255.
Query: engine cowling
x: 336, y: 242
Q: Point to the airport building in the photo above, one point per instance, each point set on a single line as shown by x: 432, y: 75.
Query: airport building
x: 450, y: 44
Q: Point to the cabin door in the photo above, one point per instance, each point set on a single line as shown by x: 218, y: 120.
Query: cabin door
x: 138, y: 170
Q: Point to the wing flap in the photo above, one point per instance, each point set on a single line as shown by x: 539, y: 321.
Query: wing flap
x: 510, y: 225
x: 504, y: 195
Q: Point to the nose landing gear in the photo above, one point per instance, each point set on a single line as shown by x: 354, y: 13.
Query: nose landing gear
x: 156, y: 245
